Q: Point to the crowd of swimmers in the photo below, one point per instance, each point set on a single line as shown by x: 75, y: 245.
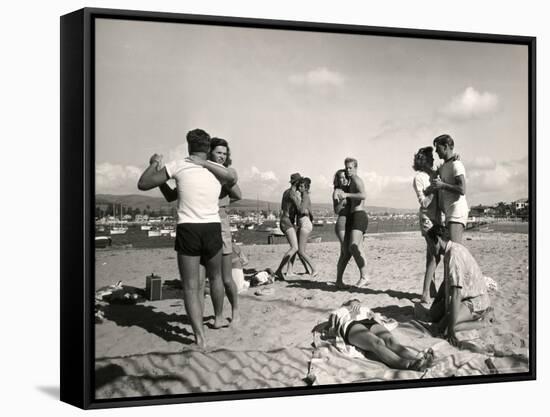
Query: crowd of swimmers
x: 206, y: 184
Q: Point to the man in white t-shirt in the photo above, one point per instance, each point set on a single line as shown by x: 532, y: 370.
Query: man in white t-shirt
x: 198, y: 233
x: 451, y: 185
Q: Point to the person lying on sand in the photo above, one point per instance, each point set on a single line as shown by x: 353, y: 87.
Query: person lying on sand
x: 360, y: 327
x: 462, y: 302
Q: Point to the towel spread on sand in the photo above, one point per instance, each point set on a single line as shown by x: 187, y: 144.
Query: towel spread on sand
x: 330, y: 365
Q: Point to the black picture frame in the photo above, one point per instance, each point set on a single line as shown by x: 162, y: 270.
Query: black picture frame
x: 77, y: 204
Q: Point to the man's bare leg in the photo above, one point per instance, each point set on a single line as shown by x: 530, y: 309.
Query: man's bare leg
x: 455, y: 231
x: 189, y: 273
x: 356, y: 249
x: 214, y: 274
x: 230, y: 287
x: 343, y: 260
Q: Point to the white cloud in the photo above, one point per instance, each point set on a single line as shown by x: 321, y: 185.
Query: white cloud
x: 262, y: 184
x: 481, y: 163
x: 318, y: 77
x: 508, y: 179
x: 388, y: 189
x: 471, y: 104
x: 116, y: 179
x: 178, y: 153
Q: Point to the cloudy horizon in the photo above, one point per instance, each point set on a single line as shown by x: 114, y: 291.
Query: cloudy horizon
x: 303, y: 101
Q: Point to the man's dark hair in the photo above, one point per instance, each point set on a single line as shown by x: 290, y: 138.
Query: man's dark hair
x: 444, y: 140
x: 221, y: 142
x: 351, y: 160
x: 198, y: 141
x: 437, y: 231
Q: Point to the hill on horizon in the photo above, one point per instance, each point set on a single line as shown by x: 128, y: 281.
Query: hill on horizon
x: 143, y: 202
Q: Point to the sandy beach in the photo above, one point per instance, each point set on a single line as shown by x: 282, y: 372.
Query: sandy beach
x: 147, y: 349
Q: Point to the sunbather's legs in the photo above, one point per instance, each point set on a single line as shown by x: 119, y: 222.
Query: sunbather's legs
x: 359, y: 336
x: 392, y: 344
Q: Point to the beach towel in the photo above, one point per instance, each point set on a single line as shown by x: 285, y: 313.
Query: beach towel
x: 330, y: 364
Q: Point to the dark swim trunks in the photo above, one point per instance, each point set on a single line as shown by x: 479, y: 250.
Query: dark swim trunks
x: 368, y: 323
x: 198, y: 239
x: 357, y: 220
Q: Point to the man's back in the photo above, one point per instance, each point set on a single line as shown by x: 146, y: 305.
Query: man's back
x: 198, y: 192
x: 463, y: 271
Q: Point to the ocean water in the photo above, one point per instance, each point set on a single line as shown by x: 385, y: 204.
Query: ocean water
x: 137, y: 238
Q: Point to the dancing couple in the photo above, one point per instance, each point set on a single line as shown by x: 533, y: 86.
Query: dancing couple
x: 351, y: 225
x: 296, y: 223
x: 205, y: 184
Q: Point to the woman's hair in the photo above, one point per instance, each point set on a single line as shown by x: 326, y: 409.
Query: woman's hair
x: 336, y: 181
x: 305, y: 181
x: 422, y: 157
x: 215, y: 142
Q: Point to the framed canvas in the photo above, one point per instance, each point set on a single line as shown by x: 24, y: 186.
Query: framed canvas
x: 258, y: 208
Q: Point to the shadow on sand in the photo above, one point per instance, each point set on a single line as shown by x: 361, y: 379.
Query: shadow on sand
x: 330, y: 287
x: 155, y: 322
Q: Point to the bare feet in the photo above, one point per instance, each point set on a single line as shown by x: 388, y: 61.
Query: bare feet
x: 425, y: 299
x: 218, y: 323
x: 341, y: 286
x: 279, y: 276
x: 314, y: 274
x: 362, y: 282
x: 235, y: 319
x: 201, y: 342
x: 423, y: 362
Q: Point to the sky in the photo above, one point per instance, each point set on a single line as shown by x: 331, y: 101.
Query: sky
x: 297, y: 101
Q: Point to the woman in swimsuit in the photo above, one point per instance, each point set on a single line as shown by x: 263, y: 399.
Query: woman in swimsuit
x: 340, y: 184
x: 305, y: 227
x: 289, y: 210
x: 428, y: 214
